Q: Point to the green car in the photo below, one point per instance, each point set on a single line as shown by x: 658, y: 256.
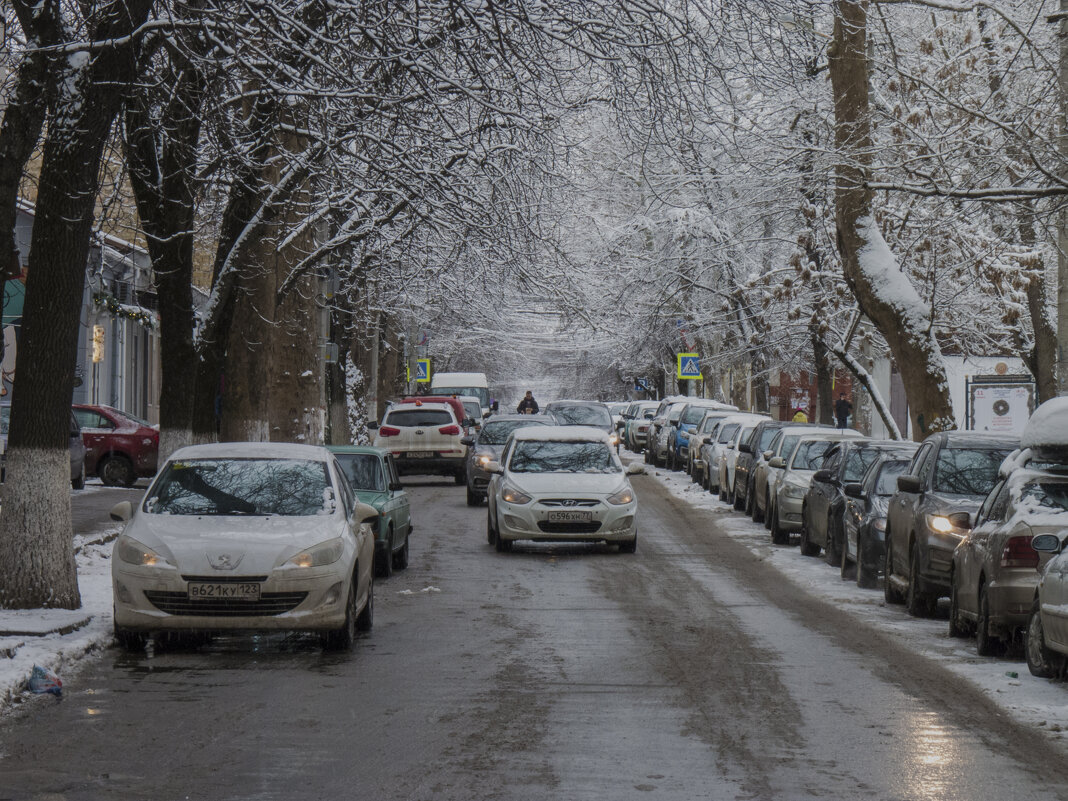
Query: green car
x: 373, y: 477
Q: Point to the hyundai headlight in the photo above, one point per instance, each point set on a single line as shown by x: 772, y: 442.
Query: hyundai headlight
x: 133, y: 552
x: 325, y: 553
x: 513, y: 495
x: 624, y: 496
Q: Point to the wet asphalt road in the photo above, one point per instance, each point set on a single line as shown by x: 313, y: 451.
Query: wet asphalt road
x: 686, y: 671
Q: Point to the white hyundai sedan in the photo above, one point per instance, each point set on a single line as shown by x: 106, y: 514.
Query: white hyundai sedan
x: 561, y: 484
x: 245, y: 536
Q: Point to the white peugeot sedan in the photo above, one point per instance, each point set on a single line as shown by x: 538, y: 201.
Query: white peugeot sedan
x: 561, y: 484
x: 245, y: 536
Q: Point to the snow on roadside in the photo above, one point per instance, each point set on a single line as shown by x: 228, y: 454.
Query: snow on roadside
x: 62, y: 653
x: 1041, y: 703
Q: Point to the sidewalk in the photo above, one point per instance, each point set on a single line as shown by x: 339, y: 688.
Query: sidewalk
x: 59, y: 638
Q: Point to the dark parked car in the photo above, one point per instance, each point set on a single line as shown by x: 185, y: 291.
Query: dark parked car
x: 488, y: 446
x: 118, y: 446
x: 950, y: 475
x: 748, y: 453
x: 77, y: 447
x: 584, y: 413
x: 864, y: 548
x: 824, y: 506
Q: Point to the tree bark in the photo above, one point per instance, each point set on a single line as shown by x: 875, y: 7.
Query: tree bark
x: 37, y: 567
x: 824, y: 411
x: 881, y: 288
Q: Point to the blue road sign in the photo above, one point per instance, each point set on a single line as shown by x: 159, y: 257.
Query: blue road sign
x: 689, y: 366
x: 422, y: 371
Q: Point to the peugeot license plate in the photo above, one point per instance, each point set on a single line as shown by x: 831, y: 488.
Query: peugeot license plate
x: 569, y: 517
x: 243, y: 591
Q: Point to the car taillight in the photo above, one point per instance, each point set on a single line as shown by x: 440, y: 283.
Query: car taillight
x: 643, y: 428
x: 450, y: 431
x: 388, y: 431
x: 1019, y: 553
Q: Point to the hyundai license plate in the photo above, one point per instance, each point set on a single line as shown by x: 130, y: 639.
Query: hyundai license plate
x: 569, y: 517
x: 244, y: 591
x: 419, y: 455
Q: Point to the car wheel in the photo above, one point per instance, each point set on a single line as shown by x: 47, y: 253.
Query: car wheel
x: 757, y: 513
x: 890, y: 592
x: 117, y: 471
x: 958, y: 626
x: 384, y: 561
x: 739, y: 503
x: 79, y: 482
x: 834, y: 547
x: 917, y: 603
x: 778, y: 536
x: 722, y: 489
x: 341, y: 639
x: 366, y: 619
x: 630, y: 546
x: 460, y: 476
x: 693, y: 471
x: 985, y: 643
x: 130, y: 641
x: 491, y: 535
x: 670, y: 460
x: 400, y: 558
x: 848, y: 570
x: 767, y: 510
x: 808, y: 548
x: 1041, y: 661
x: 503, y: 545
x: 749, y: 504
x: 473, y: 498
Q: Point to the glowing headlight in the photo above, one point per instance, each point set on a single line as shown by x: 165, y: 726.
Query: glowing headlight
x: 484, y: 459
x: 625, y: 495
x: 512, y: 495
x: 879, y: 524
x: 794, y: 491
x: 613, y: 438
x: 325, y: 553
x: 133, y: 552
x: 940, y: 523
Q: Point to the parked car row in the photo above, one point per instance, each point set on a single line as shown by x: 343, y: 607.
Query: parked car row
x: 963, y: 516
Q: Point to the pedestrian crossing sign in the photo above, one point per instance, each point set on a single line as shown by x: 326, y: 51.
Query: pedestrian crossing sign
x: 422, y: 371
x: 689, y: 366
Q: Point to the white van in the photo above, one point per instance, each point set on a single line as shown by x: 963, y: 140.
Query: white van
x: 474, y: 384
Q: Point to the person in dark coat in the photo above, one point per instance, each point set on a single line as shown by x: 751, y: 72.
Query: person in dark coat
x: 842, y: 409
x: 528, y: 405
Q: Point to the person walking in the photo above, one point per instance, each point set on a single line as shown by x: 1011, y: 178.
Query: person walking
x: 528, y: 405
x: 842, y: 409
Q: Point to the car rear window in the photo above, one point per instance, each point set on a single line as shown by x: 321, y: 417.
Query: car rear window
x: 710, y: 423
x: 967, y: 471
x: 727, y: 431
x: 410, y: 418
x: 497, y: 433
x: 286, y: 487
x: 1051, y: 495
x: 582, y: 415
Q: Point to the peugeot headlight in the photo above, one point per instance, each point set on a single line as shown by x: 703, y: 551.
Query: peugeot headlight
x: 624, y: 496
x: 133, y: 552
x: 794, y: 490
x: 512, y: 495
x: 325, y: 553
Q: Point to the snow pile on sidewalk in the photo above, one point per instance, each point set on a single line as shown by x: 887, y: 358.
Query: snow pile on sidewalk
x: 59, y: 651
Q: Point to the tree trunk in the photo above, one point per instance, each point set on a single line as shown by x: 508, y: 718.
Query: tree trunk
x: 824, y: 406
x: 1062, y: 214
x: 882, y: 290
x: 37, y: 567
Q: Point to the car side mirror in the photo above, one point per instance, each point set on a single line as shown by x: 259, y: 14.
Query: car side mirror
x: 706, y: 440
x: 909, y: 484
x: 745, y: 447
x: 635, y: 469
x: 493, y: 467
x: 826, y: 476
x: 854, y: 491
x: 1046, y: 543
x: 365, y: 513
x: 767, y: 455
x: 373, y: 425
x: 122, y: 511
x: 962, y: 520
x: 467, y: 441
x: 777, y: 462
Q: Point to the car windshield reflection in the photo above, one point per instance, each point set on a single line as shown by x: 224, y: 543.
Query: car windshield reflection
x: 967, y: 472
x: 582, y: 415
x: 886, y: 483
x: 285, y: 487
x: 363, y: 470
x: 810, y: 454
x: 1051, y: 495
x: 497, y: 433
x: 562, y: 457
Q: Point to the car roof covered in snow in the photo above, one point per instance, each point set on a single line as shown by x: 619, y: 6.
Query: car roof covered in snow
x: 561, y: 434
x: 252, y: 450
x: 1048, y: 426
